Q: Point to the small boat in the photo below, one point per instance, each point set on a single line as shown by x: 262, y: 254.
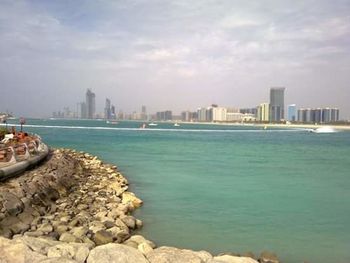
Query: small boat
x: 153, y: 124
x: 177, y: 125
x: 325, y: 129
x: 143, y: 126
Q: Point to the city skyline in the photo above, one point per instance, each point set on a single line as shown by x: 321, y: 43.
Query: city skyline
x: 173, y: 54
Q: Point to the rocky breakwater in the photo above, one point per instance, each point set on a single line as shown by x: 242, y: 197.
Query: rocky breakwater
x: 75, y: 208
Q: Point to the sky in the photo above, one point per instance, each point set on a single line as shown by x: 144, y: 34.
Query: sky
x: 177, y: 55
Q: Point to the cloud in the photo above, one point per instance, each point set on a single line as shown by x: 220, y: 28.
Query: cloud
x: 151, y: 46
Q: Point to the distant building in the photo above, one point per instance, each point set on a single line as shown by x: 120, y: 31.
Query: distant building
x: 252, y: 111
x: 164, y: 115
x: 108, y: 111
x: 263, y: 112
x: 143, y: 112
x: 189, y: 116
x: 219, y: 114
x: 233, y: 115
x: 82, y: 111
x: 292, y: 112
x: 318, y: 115
x: 277, y: 104
x: 113, y: 114
x: 202, y: 114
x: 90, y: 104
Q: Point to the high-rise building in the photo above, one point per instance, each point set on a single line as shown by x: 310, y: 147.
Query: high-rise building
x: 90, y: 104
x: 143, y: 112
x: 113, y: 114
x: 292, y: 112
x: 318, y: 115
x: 82, y: 111
x: 277, y: 104
x: 108, y: 111
x: 164, y: 115
x: 263, y: 113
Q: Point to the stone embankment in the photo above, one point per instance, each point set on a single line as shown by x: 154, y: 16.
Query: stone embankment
x: 74, y: 208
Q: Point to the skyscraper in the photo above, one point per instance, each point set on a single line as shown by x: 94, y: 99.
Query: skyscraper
x: 108, y: 112
x: 90, y: 104
x: 292, y: 112
x: 277, y: 104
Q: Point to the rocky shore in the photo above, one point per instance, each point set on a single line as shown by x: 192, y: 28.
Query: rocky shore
x: 75, y: 208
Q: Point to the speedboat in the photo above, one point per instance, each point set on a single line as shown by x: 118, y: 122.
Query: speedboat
x: 325, y: 129
x: 177, y: 125
x: 153, y: 124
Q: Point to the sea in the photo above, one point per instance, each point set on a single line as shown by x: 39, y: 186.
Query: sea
x: 227, y: 188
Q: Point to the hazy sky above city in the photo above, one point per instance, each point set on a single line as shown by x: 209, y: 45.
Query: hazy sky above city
x: 173, y: 54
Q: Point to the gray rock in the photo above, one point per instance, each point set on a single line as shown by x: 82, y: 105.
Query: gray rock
x: 40, y: 245
x: 115, y: 253
x: 12, y: 203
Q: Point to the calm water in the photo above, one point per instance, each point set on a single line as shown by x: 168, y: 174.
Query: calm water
x: 231, y: 188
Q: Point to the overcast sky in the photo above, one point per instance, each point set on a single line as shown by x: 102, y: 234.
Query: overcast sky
x: 176, y: 55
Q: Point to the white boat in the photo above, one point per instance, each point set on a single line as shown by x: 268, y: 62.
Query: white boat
x: 325, y: 129
x: 112, y: 122
x: 177, y: 125
x: 153, y: 124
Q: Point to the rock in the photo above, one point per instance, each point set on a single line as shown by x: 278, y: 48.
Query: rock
x: 139, y: 223
x: 144, y: 248
x: 102, y: 237
x: 268, y: 257
x: 128, y: 197
x: 115, y: 253
x: 78, y: 252
x: 138, y: 239
x: 12, y: 203
x: 58, y: 260
x: 40, y: 245
x: 79, y: 232
x: 15, y: 251
x: 60, y: 229
x: 130, y: 221
x: 68, y: 237
x: 174, y: 255
x: 232, y: 259
x: 45, y: 228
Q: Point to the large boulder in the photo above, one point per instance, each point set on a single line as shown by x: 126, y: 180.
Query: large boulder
x: 128, y: 197
x: 15, y: 251
x: 173, y: 255
x: 268, y: 257
x: 232, y: 259
x: 115, y: 253
x: 78, y: 252
x: 12, y: 203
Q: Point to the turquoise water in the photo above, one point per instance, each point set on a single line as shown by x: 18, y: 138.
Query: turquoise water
x: 228, y: 188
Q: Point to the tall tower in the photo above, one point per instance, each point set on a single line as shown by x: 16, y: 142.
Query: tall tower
x: 277, y: 104
x: 108, y: 112
x: 90, y: 104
